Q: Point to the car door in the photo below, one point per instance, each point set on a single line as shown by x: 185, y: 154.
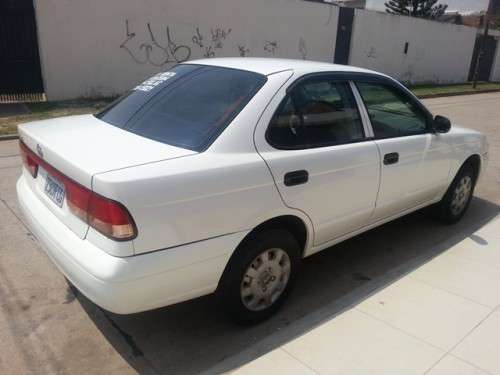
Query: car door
x: 316, y: 148
x: 415, y: 162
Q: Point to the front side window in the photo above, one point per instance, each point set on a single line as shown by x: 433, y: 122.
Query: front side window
x: 188, y: 106
x: 316, y: 114
x: 392, y: 113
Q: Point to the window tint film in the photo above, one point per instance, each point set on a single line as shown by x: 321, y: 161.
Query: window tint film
x: 188, y: 106
x: 316, y: 114
x: 120, y: 111
x: 392, y: 114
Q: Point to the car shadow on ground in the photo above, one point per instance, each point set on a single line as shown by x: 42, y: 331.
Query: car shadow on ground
x: 195, y: 336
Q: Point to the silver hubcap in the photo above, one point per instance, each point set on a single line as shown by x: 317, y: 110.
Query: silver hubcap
x: 461, y: 195
x: 265, y: 279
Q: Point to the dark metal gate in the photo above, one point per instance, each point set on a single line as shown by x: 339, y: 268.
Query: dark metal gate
x: 344, y: 32
x: 20, y: 73
x: 486, y: 59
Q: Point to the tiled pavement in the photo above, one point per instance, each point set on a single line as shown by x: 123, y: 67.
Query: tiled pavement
x: 441, y: 318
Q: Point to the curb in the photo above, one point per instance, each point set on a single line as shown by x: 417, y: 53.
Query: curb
x: 8, y: 137
x: 430, y: 96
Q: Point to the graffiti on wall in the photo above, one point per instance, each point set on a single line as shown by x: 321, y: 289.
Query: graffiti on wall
x: 219, y: 37
x: 271, y: 46
x: 243, y: 50
x: 214, y: 41
x: 371, y: 53
x: 154, y: 53
x: 159, y: 47
x: 197, y: 39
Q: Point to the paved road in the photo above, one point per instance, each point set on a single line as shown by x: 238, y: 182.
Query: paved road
x: 47, y: 327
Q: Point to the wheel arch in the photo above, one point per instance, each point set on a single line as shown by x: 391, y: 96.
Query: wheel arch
x: 292, y: 223
x: 473, y: 161
x: 443, y: 209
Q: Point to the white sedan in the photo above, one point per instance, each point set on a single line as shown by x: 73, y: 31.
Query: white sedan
x: 220, y: 175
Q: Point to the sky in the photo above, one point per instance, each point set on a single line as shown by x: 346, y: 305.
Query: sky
x: 462, y: 5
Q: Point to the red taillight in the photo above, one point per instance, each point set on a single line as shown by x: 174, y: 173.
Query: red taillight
x: 28, y: 160
x: 107, y: 216
x: 77, y: 197
x: 110, y: 218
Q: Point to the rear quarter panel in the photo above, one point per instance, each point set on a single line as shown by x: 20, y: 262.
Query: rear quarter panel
x: 193, y: 198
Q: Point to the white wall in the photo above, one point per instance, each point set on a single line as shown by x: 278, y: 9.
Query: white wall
x: 85, y: 52
x: 437, y: 52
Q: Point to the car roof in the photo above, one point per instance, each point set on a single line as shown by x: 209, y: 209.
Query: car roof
x: 269, y: 66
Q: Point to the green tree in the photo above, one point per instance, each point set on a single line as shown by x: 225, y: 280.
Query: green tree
x: 416, y: 8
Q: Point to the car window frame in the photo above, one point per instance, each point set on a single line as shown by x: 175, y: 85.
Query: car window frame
x: 315, y: 77
x: 400, y: 90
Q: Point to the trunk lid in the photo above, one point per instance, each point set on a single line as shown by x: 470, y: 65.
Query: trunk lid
x: 82, y: 146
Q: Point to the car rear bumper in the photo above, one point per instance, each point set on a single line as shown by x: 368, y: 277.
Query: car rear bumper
x: 126, y: 285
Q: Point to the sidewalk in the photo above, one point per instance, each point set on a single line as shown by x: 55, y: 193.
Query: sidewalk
x: 442, y: 318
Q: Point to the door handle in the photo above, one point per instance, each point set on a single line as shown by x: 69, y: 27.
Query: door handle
x: 391, y: 158
x: 296, y: 178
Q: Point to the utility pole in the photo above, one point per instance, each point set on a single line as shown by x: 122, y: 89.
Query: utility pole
x: 482, y: 42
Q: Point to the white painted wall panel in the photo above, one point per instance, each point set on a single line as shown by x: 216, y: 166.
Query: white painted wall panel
x: 437, y: 52
x: 88, y: 50
x: 98, y: 48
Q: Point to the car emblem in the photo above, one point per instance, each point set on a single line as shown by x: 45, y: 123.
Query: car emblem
x: 39, y: 150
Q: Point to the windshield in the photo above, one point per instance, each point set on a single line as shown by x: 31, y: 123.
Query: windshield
x: 188, y: 106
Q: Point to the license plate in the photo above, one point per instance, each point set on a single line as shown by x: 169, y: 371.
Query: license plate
x: 55, y: 190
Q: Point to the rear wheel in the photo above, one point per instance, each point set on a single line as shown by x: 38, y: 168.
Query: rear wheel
x: 259, y: 276
x: 456, y: 200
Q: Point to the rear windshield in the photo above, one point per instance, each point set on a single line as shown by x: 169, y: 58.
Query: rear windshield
x: 187, y: 106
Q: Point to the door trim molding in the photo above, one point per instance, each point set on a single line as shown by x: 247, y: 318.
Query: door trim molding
x: 367, y: 125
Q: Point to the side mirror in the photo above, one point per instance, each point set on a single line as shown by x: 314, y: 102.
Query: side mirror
x: 441, y: 124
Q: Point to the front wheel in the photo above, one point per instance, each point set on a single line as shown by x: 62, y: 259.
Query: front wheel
x: 456, y: 200
x: 259, y: 276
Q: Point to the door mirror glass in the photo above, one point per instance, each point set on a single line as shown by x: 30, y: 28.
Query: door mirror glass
x: 441, y: 124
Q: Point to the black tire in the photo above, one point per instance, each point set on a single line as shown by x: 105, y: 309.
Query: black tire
x: 445, y: 209
x: 231, y: 285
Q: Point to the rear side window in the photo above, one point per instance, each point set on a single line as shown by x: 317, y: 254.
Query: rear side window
x: 188, y: 106
x: 392, y: 113
x: 316, y: 114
